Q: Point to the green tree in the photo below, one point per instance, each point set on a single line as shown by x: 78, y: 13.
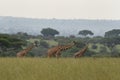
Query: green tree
x: 9, y: 45
x: 49, y: 32
x: 112, y: 33
x: 44, y: 44
x: 94, y: 46
x: 110, y: 42
x: 85, y: 32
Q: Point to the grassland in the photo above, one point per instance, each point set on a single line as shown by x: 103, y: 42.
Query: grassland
x: 59, y: 69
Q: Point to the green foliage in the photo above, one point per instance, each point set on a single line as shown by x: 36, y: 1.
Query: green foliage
x: 80, y: 44
x: 96, y: 39
x: 4, y: 42
x: 89, y: 53
x: 51, y: 42
x: 115, y: 51
x: 8, y: 53
x: 44, y: 44
x: 94, y: 46
x: 112, y: 33
x: 9, y: 45
x: 49, y: 32
x: 9, y: 41
x: 99, y: 46
x: 85, y: 32
x: 69, y: 52
x: 111, y: 42
x: 21, y: 35
x: 103, y: 49
x: 37, y: 52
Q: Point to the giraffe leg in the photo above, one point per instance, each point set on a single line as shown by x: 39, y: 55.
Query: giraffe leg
x: 58, y: 54
x: 49, y: 55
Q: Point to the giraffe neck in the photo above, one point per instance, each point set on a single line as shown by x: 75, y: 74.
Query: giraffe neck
x: 62, y: 48
x: 84, y: 49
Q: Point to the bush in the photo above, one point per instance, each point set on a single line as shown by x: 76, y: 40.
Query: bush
x: 94, y: 46
x: 44, y: 44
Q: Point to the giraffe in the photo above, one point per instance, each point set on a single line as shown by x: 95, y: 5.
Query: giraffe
x: 25, y: 51
x: 81, y: 52
x: 56, y: 51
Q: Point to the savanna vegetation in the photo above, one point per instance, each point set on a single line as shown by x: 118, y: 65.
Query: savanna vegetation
x: 59, y: 69
x: 100, y: 61
x: 99, y: 46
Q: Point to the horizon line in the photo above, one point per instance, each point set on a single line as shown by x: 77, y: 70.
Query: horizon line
x: 61, y: 18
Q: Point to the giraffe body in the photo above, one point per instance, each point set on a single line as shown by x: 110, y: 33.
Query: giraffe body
x: 56, y: 51
x: 81, y: 52
x: 25, y: 51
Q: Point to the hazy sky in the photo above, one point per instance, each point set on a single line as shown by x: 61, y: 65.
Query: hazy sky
x: 61, y: 9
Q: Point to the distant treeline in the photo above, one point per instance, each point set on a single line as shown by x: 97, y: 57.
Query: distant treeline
x: 66, y: 27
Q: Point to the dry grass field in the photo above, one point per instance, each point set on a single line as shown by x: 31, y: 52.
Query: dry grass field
x: 59, y: 69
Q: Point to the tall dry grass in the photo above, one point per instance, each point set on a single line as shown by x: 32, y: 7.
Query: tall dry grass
x: 59, y: 69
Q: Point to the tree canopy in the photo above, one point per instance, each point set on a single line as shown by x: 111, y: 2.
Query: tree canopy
x: 9, y: 41
x: 85, y: 32
x: 110, y: 42
x: 49, y: 32
x: 112, y: 33
x: 9, y: 45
